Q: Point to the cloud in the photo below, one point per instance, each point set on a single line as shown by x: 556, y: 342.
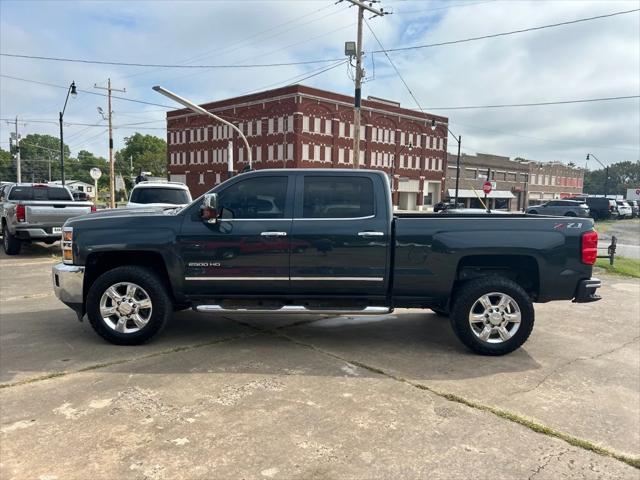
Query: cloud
x: 593, y: 59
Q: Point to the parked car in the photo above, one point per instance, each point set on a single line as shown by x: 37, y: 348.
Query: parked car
x: 440, y: 206
x: 129, y: 272
x: 159, y: 194
x: 36, y: 212
x: 562, y: 208
x: 635, y: 208
x: 624, y: 209
x: 600, y: 208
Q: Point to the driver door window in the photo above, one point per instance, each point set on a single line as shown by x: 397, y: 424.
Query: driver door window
x: 255, y: 198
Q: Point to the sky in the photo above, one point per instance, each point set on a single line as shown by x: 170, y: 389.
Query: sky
x: 594, y: 59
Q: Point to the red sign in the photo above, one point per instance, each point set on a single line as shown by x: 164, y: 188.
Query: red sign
x: 486, y: 188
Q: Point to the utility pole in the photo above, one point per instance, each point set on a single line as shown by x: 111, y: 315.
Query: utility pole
x: 360, y: 73
x: 16, y: 137
x: 112, y: 175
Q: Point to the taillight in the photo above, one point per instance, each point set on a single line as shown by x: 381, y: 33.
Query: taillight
x: 93, y: 209
x: 21, y: 213
x: 589, y: 247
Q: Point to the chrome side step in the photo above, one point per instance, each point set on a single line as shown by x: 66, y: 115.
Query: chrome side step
x: 296, y: 309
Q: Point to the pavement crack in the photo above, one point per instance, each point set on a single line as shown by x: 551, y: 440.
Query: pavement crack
x: 452, y: 397
x: 547, y: 461
x: 575, y: 360
x: 122, y: 361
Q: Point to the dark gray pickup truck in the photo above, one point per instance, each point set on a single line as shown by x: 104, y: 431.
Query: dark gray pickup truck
x: 321, y: 241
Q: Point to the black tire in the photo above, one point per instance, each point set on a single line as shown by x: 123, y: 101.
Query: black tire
x: 161, y: 310
x: 533, y: 212
x: 465, y: 300
x: 10, y: 244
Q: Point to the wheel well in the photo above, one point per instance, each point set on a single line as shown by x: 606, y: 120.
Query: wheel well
x: 101, y: 262
x: 521, y: 269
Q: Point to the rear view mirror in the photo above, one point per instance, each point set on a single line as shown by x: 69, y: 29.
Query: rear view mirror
x: 209, y: 209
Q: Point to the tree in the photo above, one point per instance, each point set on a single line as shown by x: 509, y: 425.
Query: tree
x: 144, y: 152
x: 7, y: 167
x: 37, y: 154
x: 622, y: 175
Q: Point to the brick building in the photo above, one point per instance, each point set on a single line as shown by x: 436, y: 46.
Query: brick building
x: 552, y: 180
x: 518, y: 183
x: 298, y: 126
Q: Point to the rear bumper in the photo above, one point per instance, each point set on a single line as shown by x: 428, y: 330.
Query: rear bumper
x: 37, y: 233
x: 586, y: 291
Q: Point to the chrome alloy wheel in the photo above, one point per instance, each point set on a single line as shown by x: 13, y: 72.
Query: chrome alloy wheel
x: 495, y: 317
x: 125, y: 307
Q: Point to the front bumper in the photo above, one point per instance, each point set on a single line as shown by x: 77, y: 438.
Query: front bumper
x: 586, y: 291
x: 68, y: 281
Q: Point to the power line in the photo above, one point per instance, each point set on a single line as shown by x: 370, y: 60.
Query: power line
x: 538, y: 104
x: 164, y: 65
x: 394, y: 66
x: 512, y: 32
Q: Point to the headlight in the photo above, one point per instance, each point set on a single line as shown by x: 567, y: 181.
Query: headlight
x: 67, y: 245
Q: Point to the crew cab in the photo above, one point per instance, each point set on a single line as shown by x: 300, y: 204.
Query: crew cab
x: 321, y: 241
x: 36, y: 212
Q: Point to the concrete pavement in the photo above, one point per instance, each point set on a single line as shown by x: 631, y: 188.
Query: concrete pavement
x: 257, y: 397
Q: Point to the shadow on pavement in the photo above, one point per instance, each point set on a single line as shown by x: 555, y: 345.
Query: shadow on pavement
x: 421, y: 345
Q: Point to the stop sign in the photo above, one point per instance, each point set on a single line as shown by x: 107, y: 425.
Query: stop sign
x: 486, y: 188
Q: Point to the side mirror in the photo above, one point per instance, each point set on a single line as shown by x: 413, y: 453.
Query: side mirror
x: 209, y: 209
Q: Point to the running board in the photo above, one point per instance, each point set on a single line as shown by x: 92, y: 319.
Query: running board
x: 296, y: 309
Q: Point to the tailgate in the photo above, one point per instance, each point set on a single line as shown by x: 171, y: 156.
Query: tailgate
x: 54, y: 213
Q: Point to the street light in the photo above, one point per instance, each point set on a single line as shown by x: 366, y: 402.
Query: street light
x: 458, y: 139
x: 71, y: 91
x: 606, y: 180
x: 198, y: 109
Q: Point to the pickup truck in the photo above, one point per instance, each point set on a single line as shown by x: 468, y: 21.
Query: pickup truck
x: 347, y: 254
x: 36, y: 212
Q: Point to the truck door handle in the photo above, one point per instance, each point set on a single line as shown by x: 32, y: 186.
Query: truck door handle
x: 371, y: 234
x: 274, y: 234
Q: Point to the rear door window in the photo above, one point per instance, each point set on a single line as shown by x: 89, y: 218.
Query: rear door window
x: 172, y: 196
x: 40, y: 193
x: 337, y: 197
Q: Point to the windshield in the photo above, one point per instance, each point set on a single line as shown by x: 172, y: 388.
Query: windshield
x: 172, y: 196
x: 40, y: 193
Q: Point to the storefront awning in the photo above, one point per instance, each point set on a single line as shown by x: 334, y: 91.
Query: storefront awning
x: 469, y: 193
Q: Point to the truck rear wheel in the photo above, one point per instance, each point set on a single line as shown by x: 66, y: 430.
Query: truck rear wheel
x: 10, y: 244
x: 128, y: 305
x: 492, y: 315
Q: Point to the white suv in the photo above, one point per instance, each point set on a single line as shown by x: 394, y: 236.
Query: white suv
x: 159, y: 194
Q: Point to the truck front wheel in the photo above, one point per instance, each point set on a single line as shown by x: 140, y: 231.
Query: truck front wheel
x: 492, y: 315
x: 128, y: 305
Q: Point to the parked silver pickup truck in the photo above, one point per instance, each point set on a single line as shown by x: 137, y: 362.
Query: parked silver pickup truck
x: 36, y: 212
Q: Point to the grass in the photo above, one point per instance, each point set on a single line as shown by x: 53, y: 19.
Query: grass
x: 627, y: 267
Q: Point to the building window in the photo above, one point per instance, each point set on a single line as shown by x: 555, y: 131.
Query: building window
x: 270, y: 153
x: 258, y: 154
x: 327, y: 154
x: 217, y: 178
x: 280, y: 125
x: 341, y: 155
x: 316, y: 153
x: 259, y: 127
x: 374, y: 134
x: 280, y: 152
x: 305, y: 151
x: 290, y: 151
x: 316, y: 125
x: 240, y: 154
x: 201, y: 181
x: 249, y: 128
x: 205, y: 154
x: 270, y: 126
x: 198, y: 156
x: 361, y: 157
x: 341, y: 129
x: 305, y: 123
x: 290, y: 123
x: 190, y: 157
x: 350, y: 156
x: 327, y: 126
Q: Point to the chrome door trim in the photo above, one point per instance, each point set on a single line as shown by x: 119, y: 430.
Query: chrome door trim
x: 344, y: 279
x: 273, y: 234
x: 226, y: 279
